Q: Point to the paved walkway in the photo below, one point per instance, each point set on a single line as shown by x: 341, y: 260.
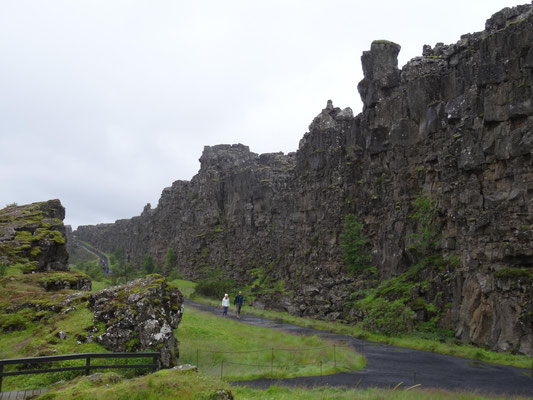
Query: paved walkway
x: 389, y: 365
x: 104, y: 262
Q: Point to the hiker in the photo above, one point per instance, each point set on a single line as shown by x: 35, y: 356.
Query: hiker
x: 225, y: 305
x: 239, y: 301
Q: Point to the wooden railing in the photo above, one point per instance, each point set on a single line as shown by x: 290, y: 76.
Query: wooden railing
x: 87, y: 367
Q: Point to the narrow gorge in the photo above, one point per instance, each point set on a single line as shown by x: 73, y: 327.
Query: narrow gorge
x: 454, y: 125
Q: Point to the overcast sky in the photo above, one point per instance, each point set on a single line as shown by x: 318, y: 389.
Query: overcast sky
x: 105, y: 103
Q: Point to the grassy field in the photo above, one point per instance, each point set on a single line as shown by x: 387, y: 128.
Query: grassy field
x: 250, y: 352
x: 410, y: 341
x: 331, y: 393
x: 173, y: 384
x: 40, y: 338
x: 30, y: 333
x: 162, y: 385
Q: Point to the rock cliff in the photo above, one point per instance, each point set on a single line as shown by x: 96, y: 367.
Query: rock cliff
x: 34, y: 235
x: 455, y: 124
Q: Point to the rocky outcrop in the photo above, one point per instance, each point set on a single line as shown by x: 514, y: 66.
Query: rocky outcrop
x: 140, y: 315
x: 52, y: 282
x: 34, y: 235
x: 455, y: 124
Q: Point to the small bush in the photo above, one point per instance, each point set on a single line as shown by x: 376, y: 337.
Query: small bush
x: 214, y: 288
x: 353, y: 243
x: 171, y: 264
x: 91, y: 268
x: 425, y: 213
x: 514, y: 273
x: 388, y: 317
x: 175, y: 274
x: 3, y: 269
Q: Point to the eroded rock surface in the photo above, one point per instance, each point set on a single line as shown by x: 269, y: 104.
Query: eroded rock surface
x: 455, y: 123
x: 34, y: 235
x: 140, y: 315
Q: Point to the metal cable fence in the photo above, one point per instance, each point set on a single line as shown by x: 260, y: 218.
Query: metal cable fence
x: 275, y: 362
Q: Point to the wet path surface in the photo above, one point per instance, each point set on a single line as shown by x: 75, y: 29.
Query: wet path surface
x: 104, y: 262
x: 389, y: 365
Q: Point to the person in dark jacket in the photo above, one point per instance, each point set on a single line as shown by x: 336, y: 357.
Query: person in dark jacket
x: 239, y: 301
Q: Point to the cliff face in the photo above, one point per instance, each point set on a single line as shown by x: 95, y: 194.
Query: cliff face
x: 455, y: 124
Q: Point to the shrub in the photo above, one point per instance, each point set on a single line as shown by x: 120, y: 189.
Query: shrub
x: 214, y: 288
x: 387, y: 317
x: 175, y: 274
x: 92, y: 268
x: 150, y: 266
x: 171, y: 263
x: 353, y: 242
x: 3, y: 269
x: 425, y: 212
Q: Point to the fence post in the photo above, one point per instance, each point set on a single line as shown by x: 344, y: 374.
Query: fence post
x: 88, y: 366
x: 155, y: 360
x: 221, y: 369
x: 197, y: 361
x: 272, y: 363
x: 1, y: 375
x: 414, y: 377
x: 334, y: 358
x: 320, y: 367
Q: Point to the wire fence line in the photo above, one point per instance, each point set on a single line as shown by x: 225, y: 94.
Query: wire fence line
x: 224, y: 365
x: 275, y: 348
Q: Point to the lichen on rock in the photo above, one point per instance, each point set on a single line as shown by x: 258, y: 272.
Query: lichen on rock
x: 140, y: 315
x: 34, y: 235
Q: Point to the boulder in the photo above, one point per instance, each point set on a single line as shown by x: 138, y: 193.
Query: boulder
x: 140, y: 315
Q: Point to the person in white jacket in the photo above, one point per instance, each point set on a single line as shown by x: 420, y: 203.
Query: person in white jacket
x: 225, y: 305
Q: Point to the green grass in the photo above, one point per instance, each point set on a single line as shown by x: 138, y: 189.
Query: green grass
x: 185, y: 287
x: 408, y: 340
x: 330, y: 393
x: 99, y: 285
x: 162, y: 385
x: 40, y: 339
x: 32, y: 329
x: 292, y: 355
x: 173, y: 384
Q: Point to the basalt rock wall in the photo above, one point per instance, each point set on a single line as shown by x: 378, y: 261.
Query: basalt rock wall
x: 455, y: 124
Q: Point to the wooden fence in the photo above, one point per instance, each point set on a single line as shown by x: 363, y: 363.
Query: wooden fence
x: 87, y: 367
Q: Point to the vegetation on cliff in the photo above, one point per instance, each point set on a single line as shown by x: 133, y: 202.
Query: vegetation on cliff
x: 353, y: 242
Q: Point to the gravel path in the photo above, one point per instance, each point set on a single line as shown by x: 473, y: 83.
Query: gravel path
x: 389, y: 365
